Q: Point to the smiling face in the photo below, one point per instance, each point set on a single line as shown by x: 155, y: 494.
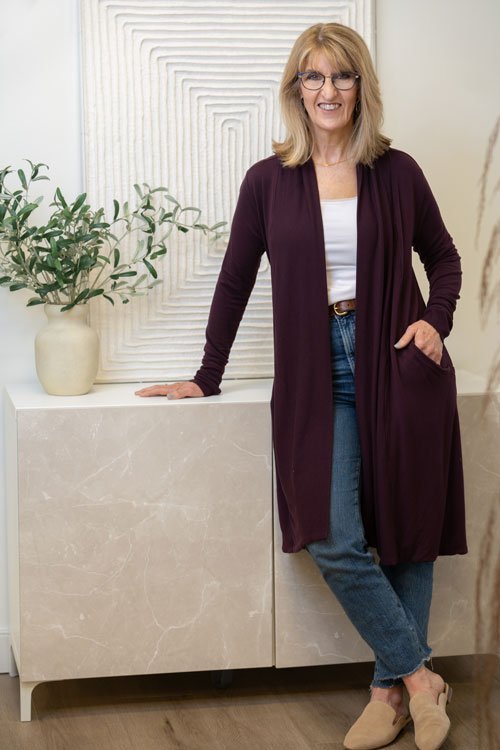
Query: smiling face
x: 330, y: 110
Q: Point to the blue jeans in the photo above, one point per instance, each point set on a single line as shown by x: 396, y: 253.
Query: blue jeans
x: 387, y: 604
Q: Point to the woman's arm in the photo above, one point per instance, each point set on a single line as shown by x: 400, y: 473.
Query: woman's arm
x: 442, y: 265
x: 440, y: 258
x: 234, y: 286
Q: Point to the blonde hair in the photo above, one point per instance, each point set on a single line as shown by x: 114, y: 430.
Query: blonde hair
x: 347, y: 52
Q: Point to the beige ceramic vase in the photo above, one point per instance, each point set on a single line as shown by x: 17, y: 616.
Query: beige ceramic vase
x: 67, y: 352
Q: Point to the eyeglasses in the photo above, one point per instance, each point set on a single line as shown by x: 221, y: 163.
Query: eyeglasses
x: 314, y: 81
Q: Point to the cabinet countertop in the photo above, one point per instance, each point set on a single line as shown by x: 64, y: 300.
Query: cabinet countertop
x: 254, y: 390
x: 32, y: 396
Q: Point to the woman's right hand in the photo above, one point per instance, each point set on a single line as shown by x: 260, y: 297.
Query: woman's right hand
x: 185, y: 389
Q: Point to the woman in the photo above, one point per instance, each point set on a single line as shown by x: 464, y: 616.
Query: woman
x: 365, y: 426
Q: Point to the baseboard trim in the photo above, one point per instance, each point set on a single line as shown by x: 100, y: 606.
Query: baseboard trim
x: 4, y: 651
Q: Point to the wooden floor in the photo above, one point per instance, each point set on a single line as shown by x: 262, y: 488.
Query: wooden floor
x: 264, y: 709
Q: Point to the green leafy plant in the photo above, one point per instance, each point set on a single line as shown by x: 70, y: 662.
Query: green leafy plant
x: 78, y: 254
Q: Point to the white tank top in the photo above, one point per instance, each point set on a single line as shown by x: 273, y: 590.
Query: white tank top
x: 341, y: 239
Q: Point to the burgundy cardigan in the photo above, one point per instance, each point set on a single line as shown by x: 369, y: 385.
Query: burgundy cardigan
x: 412, y: 495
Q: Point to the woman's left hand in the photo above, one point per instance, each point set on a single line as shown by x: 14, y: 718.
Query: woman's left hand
x: 426, y: 338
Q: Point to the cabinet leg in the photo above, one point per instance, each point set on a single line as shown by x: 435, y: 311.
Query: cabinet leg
x: 25, y: 691
x: 222, y: 678
x: 12, y: 664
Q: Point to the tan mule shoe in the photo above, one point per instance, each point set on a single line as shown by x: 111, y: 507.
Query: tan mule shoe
x: 431, y: 722
x: 377, y: 726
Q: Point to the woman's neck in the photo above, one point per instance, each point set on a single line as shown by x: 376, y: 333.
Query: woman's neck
x: 332, y: 148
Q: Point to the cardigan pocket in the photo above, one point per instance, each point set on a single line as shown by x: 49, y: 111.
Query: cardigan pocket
x: 444, y: 367
x: 420, y: 378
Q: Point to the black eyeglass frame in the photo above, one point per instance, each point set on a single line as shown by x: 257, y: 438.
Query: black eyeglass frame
x: 334, y: 77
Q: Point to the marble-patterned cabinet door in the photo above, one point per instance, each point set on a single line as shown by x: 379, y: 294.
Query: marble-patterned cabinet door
x: 140, y: 533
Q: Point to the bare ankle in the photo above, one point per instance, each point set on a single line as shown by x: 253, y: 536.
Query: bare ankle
x: 392, y: 695
x: 423, y: 680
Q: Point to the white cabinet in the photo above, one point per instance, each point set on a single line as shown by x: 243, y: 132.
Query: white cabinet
x: 140, y: 533
x: 141, y: 539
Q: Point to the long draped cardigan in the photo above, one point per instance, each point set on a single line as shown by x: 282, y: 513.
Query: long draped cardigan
x: 412, y: 495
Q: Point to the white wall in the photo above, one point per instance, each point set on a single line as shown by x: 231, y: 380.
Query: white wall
x: 431, y: 55
x: 438, y: 62
x: 40, y: 120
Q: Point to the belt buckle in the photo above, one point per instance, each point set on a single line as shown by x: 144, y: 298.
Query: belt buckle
x: 340, y: 314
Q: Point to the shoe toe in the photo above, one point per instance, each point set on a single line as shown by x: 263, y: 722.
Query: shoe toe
x: 430, y: 719
x: 376, y: 727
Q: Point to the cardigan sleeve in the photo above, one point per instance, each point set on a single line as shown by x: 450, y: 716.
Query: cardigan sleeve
x: 232, y: 291
x: 439, y: 257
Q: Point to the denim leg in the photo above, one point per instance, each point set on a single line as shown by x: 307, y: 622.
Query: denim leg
x: 358, y: 582
x: 412, y: 582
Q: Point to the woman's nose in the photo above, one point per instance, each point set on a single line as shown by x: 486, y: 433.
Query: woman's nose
x: 328, y: 88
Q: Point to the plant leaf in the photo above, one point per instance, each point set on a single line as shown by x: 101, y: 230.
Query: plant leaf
x: 151, y: 269
x: 95, y: 293
x: 158, y: 253
x: 79, y: 202
x: 124, y: 273
x: 22, y: 178
x: 26, y: 211
x: 170, y: 199
x: 83, y: 295
x: 197, y: 211
x: 60, y: 198
x: 86, y: 262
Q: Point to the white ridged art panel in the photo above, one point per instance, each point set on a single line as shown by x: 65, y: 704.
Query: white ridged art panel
x: 185, y: 95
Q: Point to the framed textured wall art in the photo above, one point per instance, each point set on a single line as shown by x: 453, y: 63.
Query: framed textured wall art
x: 184, y: 93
